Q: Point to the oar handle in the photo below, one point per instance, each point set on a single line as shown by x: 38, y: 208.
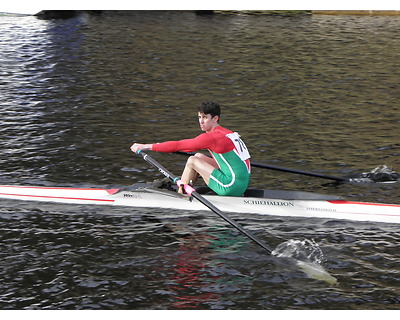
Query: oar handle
x: 191, y: 191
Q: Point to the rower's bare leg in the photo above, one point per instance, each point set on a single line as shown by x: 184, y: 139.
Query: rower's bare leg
x: 198, y: 165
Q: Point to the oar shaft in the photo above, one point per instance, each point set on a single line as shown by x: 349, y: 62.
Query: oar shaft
x: 229, y: 220
x: 154, y: 163
x: 203, y: 200
x: 267, y: 166
x: 324, y: 176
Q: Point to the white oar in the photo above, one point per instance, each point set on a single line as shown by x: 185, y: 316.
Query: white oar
x: 311, y: 270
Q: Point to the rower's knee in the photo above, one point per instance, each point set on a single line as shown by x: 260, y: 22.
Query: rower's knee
x: 200, y: 155
x: 191, y: 161
x: 195, y: 161
x: 198, y: 158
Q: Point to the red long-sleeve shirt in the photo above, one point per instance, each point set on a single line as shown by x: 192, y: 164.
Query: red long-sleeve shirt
x: 215, y: 141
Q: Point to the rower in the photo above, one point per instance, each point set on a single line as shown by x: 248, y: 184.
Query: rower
x: 227, y: 173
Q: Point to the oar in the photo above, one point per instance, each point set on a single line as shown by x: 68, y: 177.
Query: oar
x: 192, y: 192
x: 324, y: 176
x: 267, y: 166
x: 313, y: 271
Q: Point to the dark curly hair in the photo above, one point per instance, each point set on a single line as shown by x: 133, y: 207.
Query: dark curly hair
x: 210, y: 107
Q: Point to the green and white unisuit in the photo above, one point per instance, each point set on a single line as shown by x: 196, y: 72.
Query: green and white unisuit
x: 233, y: 175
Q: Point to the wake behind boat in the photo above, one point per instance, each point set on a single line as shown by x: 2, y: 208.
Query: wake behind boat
x: 254, y: 201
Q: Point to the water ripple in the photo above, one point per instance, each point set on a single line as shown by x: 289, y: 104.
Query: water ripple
x: 315, y: 93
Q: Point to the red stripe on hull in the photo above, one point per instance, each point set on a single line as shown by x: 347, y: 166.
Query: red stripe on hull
x: 364, y: 203
x: 54, y: 188
x: 50, y: 197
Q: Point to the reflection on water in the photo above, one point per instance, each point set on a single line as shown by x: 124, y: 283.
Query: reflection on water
x: 314, y: 93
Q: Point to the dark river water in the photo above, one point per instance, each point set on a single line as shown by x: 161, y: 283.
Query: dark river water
x: 313, y: 93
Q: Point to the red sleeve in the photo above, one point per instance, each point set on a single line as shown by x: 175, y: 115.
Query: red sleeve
x: 203, y: 141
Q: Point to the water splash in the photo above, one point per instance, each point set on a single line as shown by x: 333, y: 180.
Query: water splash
x: 381, y: 173
x: 302, y: 250
x: 308, y: 256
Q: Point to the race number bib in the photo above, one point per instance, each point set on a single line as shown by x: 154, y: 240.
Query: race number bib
x: 240, y: 147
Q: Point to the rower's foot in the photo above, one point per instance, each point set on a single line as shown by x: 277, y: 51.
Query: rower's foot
x: 162, y: 184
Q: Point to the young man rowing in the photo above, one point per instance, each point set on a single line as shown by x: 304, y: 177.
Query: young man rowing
x: 227, y: 173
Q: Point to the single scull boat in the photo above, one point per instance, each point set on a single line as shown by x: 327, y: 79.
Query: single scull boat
x: 254, y: 201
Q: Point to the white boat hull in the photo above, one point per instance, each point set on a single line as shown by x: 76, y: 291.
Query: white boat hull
x: 274, y: 205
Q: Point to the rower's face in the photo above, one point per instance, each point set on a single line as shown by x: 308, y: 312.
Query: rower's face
x: 207, y: 123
